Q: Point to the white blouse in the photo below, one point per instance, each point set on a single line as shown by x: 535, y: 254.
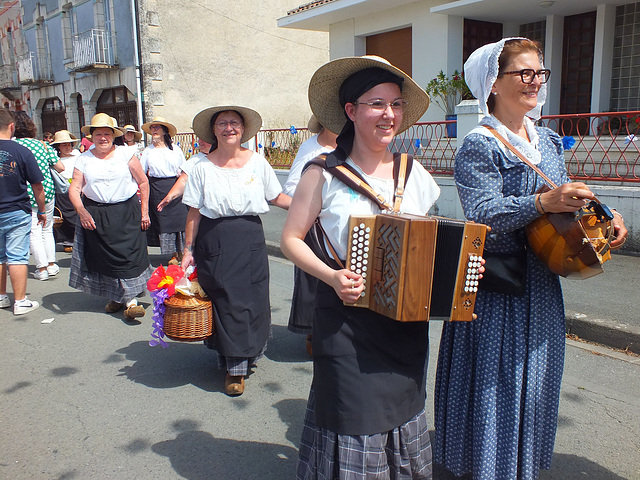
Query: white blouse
x: 108, y: 180
x: 69, y: 164
x: 187, y: 166
x: 162, y: 162
x: 226, y: 192
x: 339, y: 202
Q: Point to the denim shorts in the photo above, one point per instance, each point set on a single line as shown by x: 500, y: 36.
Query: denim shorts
x: 15, y: 229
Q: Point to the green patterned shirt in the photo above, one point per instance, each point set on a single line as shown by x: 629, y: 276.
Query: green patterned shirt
x: 46, y: 157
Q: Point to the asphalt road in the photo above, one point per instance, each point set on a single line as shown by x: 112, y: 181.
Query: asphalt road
x: 86, y: 397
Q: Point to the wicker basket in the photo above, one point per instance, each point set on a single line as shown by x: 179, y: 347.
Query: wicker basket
x: 187, y: 319
x: 57, y: 217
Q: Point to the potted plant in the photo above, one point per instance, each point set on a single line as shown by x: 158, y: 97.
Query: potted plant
x: 447, y: 92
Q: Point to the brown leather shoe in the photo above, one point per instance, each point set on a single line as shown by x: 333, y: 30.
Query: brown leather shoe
x: 134, y: 311
x: 234, y: 385
x: 68, y: 249
x: 113, y: 307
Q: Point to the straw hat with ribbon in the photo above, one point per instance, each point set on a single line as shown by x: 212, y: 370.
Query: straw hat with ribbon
x: 324, y: 89
x: 64, y: 136
x: 158, y: 120
x: 202, y: 122
x: 137, y: 136
x: 102, y: 120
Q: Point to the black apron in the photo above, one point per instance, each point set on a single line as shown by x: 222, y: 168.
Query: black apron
x: 117, y: 247
x: 369, y: 371
x: 173, y: 217
x: 233, y: 268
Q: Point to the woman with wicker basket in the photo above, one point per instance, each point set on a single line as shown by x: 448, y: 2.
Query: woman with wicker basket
x: 162, y: 162
x: 225, y: 238
x: 110, y: 250
x: 366, y: 411
x: 498, y: 377
x: 64, y: 142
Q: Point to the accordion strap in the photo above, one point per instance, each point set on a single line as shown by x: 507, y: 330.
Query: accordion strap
x: 402, y: 163
x: 517, y: 153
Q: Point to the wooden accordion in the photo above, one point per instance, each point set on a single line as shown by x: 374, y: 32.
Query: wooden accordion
x: 417, y: 268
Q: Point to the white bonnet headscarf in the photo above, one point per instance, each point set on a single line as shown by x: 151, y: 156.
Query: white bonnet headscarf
x: 481, y: 72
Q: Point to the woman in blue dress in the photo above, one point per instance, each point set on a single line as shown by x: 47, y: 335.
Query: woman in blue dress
x: 498, y: 377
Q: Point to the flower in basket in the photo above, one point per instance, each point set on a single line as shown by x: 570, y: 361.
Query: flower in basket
x: 448, y: 91
x: 162, y: 285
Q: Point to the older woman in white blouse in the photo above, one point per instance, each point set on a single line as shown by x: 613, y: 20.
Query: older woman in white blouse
x: 110, y: 251
x: 224, y: 236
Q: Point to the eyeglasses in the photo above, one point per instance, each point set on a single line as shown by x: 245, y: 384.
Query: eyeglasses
x: 223, y: 125
x: 154, y: 127
x: 380, y: 106
x: 527, y: 74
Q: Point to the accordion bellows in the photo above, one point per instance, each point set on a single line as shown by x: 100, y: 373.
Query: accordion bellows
x: 417, y: 268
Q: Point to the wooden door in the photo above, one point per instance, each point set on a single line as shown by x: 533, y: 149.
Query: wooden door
x: 477, y: 34
x: 394, y: 46
x: 577, y: 63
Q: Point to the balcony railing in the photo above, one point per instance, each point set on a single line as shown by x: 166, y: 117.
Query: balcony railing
x: 598, y: 146
x: 34, y: 69
x: 92, y: 50
x: 8, y: 78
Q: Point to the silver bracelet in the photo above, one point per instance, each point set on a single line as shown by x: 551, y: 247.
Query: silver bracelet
x: 615, y: 212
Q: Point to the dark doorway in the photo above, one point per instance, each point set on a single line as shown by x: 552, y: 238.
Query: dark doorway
x: 53, y: 116
x: 477, y: 34
x: 577, y: 63
x: 118, y: 103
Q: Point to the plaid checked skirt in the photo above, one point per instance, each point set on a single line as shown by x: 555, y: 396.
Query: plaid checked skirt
x: 403, y: 453
x: 117, y: 289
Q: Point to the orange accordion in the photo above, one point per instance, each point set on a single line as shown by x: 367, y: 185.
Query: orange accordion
x: 417, y: 268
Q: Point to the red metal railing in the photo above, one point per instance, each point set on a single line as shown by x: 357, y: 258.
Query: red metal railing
x: 606, y: 146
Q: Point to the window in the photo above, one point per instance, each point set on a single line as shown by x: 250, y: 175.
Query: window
x: 120, y: 104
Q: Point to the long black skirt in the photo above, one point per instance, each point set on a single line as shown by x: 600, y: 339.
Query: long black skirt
x: 233, y: 268
x: 66, y: 231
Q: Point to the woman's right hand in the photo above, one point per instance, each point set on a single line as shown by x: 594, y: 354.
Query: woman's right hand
x: 164, y: 202
x: 187, y: 259
x: 86, y: 220
x: 348, y: 285
x: 569, y: 197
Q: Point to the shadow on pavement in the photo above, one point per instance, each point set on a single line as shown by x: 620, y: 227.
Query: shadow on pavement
x: 180, y: 364
x: 286, y: 346
x: 196, y: 455
x: 563, y: 466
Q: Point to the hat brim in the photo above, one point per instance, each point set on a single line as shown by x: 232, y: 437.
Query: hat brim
x: 172, y: 128
x: 324, y: 89
x: 72, y: 140
x: 87, y: 129
x: 137, y: 136
x: 314, y: 126
x: 202, y: 122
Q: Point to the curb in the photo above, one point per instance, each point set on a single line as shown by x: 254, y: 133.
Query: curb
x: 605, y: 332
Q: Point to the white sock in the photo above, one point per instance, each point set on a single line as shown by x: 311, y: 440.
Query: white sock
x: 24, y: 301
x: 132, y: 303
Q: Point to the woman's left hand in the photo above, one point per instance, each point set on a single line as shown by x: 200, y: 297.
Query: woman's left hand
x: 620, y: 231
x: 146, y: 221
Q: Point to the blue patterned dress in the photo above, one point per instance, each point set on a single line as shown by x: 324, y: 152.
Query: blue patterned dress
x: 498, y: 377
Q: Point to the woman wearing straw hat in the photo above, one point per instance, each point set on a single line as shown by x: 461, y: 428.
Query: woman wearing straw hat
x: 224, y: 236
x: 110, y: 251
x: 42, y: 241
x: 131, y: 138
x: 366, y: 409
x: 304, y: 285
x: 162, y: 163
x: 498, y: 378
x: 64, y: 142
